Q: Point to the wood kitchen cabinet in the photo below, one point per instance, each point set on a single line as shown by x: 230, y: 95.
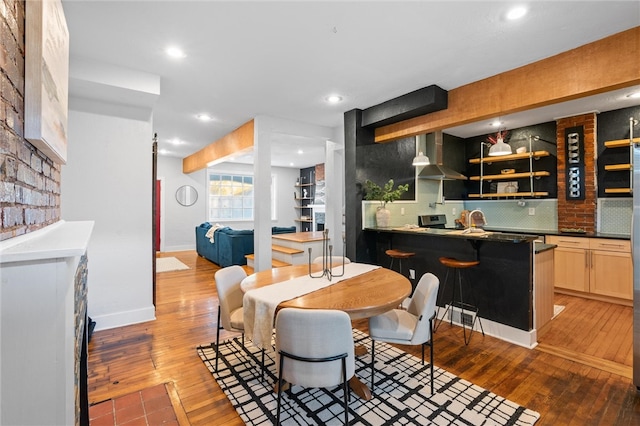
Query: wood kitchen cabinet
x: 598, y: 268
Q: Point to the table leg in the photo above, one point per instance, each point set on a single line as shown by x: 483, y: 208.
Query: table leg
x: 360, y: 388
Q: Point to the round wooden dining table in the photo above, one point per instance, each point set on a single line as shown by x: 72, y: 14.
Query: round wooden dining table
x: 362, y: 296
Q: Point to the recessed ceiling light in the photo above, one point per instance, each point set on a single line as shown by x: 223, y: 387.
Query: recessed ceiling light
x: 516, y: 13
x: 163, y: 152
x: 176, y: 141
x: 175, y: 52
x: 496, y: 123
x: 291, y: 164
x: 300, y: 151
x: 334, y: 99
x: 634, y: 95
x: 204, y: 117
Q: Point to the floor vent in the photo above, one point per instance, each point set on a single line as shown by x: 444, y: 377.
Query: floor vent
x: 467, y: 317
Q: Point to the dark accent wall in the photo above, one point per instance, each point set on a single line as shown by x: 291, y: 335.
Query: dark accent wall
x: 518, y: 138
x: 29, y: 181
x: 454, y: 156
x: 364, y: 159
x: 381, y: 162
x: 614, y: 125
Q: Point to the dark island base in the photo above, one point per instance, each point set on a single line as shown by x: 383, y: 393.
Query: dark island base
x: 500, y: 286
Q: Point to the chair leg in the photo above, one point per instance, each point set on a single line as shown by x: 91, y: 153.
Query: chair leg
x: 345, y: 387
x: 263, y: 365
x: 373, y: 355
x: 218, y: 339
x: 431, y: 348
x: 279, y: 388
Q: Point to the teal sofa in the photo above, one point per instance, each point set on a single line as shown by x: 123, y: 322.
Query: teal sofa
x: 230, y: 246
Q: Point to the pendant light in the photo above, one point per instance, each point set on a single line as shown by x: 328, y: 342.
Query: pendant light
x: 421, y: 160
x: 499, y: 148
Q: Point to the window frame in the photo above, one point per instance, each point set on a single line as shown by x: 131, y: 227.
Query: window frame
x: 242, y: 177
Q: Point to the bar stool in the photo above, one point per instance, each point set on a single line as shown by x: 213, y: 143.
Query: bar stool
x: 398, y: 254
x: 457, y: 266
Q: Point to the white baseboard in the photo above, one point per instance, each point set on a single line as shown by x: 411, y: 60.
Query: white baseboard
x: 120, y: 319
x: 528, y: 339
x: 179, y: 248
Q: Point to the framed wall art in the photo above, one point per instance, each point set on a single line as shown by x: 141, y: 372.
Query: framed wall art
x: 46, y: 78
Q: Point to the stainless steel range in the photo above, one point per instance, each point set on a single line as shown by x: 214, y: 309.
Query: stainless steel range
x: 432, y: 221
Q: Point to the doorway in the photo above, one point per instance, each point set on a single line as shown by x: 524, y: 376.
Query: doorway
x: 158, y: 215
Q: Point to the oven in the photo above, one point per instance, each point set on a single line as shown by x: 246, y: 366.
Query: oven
x: 432, y: 221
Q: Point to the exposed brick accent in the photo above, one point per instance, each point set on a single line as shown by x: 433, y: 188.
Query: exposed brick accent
x: 319, y: 171
x: 29, y: 181
x: 581, y: 213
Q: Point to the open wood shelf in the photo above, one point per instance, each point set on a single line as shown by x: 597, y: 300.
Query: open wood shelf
x: 620, y: 143
x: 510, y: 157
x: 618, y: 190
x: 509, y: 194
x: 616, y: 167
x: 509, y: 176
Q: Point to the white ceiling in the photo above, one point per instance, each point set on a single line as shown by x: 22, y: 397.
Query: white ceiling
x: 282, y: 59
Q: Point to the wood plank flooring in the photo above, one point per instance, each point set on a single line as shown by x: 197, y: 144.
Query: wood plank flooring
x: 579, y: 376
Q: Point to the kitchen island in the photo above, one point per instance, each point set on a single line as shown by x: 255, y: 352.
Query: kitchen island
x: 504, y: 286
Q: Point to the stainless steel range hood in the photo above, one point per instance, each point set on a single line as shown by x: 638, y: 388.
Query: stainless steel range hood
x: 436, y: 170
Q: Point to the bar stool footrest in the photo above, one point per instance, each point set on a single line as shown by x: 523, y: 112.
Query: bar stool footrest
x: 464, y: 306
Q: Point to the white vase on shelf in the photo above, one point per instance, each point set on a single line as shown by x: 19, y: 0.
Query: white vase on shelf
x: 383, y: 217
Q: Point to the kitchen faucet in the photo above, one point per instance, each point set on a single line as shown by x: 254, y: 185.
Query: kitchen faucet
x: 476, y: 221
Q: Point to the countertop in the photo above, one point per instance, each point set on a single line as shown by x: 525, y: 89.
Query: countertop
x: 506, y: 237
x: 566, y: 234
x: 540, y: 247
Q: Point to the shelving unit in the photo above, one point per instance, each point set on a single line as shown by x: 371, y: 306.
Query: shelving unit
x: 531, y: 174
x: 304, y: 212
x: 620, y: 167
x: 509, y: 176
x: 524, y: 155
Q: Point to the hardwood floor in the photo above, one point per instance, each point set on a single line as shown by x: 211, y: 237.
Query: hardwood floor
x: 577, y: 376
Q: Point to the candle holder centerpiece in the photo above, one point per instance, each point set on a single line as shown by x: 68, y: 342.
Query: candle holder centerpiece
x: 327, y: 258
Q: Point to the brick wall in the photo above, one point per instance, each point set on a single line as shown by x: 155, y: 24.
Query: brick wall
x: 29, y: 181
x: 578, y: 213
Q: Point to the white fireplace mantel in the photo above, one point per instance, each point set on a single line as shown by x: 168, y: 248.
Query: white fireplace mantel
x: 42, y: 315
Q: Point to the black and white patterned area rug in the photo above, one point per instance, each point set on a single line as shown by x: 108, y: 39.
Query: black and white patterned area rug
x: 402, y: 394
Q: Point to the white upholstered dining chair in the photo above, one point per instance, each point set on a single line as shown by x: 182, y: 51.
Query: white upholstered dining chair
x: 335, y: 260
x: 315, y: 349
x: 230, y: 313
x: 413, y: 326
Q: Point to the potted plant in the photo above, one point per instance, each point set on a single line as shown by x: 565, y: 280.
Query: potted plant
x: 385, y: 194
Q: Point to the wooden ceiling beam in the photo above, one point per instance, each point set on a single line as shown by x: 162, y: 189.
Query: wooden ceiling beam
x: 238, y: 140
x: 601, y: 66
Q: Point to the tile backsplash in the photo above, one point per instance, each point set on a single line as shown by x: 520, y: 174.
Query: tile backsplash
x: 614, y: 215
